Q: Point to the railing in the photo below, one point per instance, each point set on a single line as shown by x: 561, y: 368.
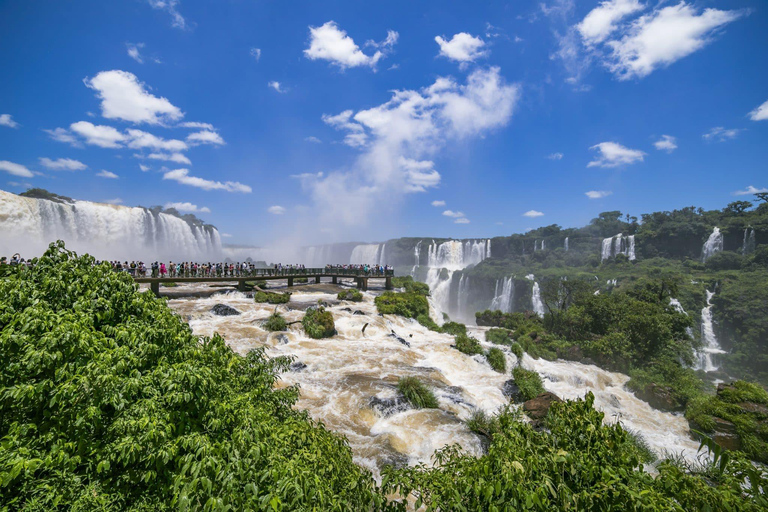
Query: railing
x: 257, y: 273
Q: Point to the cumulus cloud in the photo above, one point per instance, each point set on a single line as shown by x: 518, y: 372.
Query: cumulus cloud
x: 178, y: 158
x: 277, y: 86
x: 438, y: 203
x: 169, y: 6
x: 598, y: 194
x: 182, y: 176
x: 63, y: 135
x: 461, y: 220
x: 15, y: 169
x: 329, y: 42
x: 62, y: 164
x: 750, y: 190
x: 720, y: 134
x: 205, y: 137
x: 7, y: 120
x: 187, y: 207
x: 276, y: 210
x: 194, y: 124
x: 462, y: 47
x: 107, y: 174
x: 613, y: 154
x: 138, y: 139
x: 144, y: 168
x: 759, y: 114
x: 255, y: 53
x: 666, y: 143
x: 314, y: 139
x: 602, y: 20
x: 98, y: 135
x: 124, y: 97
x: 397, y: 138
x: 134, y: 51
x: 451, y: 213
x: 555, y: 156
x: 533, y: 213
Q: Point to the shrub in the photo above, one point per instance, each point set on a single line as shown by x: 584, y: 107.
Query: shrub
x: 300, y: 280
x: 417, y: 394
x: 410, y: 286
x: 318, y: 323
x: 517, y: 350
x: 498, y: 336
x: 408, y: 304
x: 427, y: 322
x: 468, y: 345
x: 528, y: 381
x: 454, y: 328
x: 275, y: 322
x: 724, y: 260
x: 497, y: 360
x: 352, y: 295
x: 271, y: 297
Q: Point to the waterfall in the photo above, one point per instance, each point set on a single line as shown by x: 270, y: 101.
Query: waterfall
x: 714, y: 244
x: 416, y: 255
x: 748, y: 245
x: 710, y: 346
x: 106, y: 231
x: 439, y: 281
x: 536, y: 304
x: 463, y: 294
x: 618, y: 244
x: 455, y: 255
x: 679, y: 308
x: 504, y: 297
x: 565, y: 244
x: 366, y: 253
x: 543, y: 244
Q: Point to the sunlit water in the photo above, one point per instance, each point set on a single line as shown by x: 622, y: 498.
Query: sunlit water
x: 343, y: 373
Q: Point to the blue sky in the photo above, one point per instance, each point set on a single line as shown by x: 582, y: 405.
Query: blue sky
x: 382, y: 109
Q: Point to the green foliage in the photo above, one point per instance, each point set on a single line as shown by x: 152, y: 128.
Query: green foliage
x: 109, y: 402
x: 497, y: 360
x: 351, y: 294
x: 725, y: 260
x: 468, y: 345
x: 411, y: 286
x: 318, y: 323
x: 271, y: 297
x: 427, y: 322
x: 275, y: 322
x: 498, y: 336
x: 417, y: 394
x: 408, y: 304
x: 517, y: 349
x: 682, y: 382
x: 454, y: 328
x: 496, y: 318
x: 528, y: 381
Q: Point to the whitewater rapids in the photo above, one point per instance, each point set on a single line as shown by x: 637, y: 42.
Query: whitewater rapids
x: 344, y: 372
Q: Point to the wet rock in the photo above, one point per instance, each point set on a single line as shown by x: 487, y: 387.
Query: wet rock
x: 512, y: 391
x: 614, y: 401
x: 754, y: 408
x: 588, y: 361
x: 389, y: 406
x: 660, y: 397
x: 572, y: 353
x: 395, y: 459
x: 725, y: 434
x: 297, y: 366
x: 348, y: 310
x: 282, y: 339
x: 224, y: 310
x: 358, y: 312
x: 456, y: 395
x: 399, y: 339
x: 537, y: 408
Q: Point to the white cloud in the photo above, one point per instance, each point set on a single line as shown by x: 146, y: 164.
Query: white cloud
x: 329, y: 42
x: 226, y: 235
x: 98, y: 135
x: 107, y: 174
x: 759, y: 114
x: 602, y: 20
x: 613, y: 154
x: 205, y: 137
x: 194, y: 124
x: 314, y: 139
x: 255, y: 53
x: 462, y: 47
x: 451, y: 213
x: 142, y: 140
x: 178, y: 158
x: 666, y: 143
x: 144, y: 168
x: 169, y: 6
x: 182, y: 176
x: 15, y: 169
x: 7, y: 120
x: 356, y: 136
x: 124, y: 97
x: 17, y: 184
x: 438, y: 203
x: 419, y: 175
x: 276, y: 210
x: 187, y: 207
x: 134, y: 51
x: 598, y: 194
x: 114, y: 201
x: 62, y: 164
x: 63, y: 135
x: 461, y: 220
x: 533, y: 213
x: 720, y: 134
x: 555, y: 156
x: 276, y: 86
x: 663, y: 37
x: 750, y: 190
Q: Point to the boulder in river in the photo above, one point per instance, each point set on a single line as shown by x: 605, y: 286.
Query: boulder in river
x: 537, y: 408
x: 224, y: 310
x: 297, y: 366
x: 512, y: 391
x: 660, y: 397
x: 389, y: 406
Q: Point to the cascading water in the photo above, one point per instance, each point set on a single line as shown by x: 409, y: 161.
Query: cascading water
x: 417, y: 256
x: 455, y: 255
x: 106, y: 231
x: 504, y: 297
x: 536, y: 304
x: 439, y: 282
x: 713, y: 245
x: 618, y: 244
x: 710, y: 348
x: 679, y: 308
x: 565, y: 244
x: 367, y: 253
x: 463, y: 293
x: 748, y: 245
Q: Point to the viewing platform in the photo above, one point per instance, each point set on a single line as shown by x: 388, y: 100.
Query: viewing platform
x: 360, y: 277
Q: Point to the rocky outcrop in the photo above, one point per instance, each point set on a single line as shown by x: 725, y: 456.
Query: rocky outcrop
x: 537, y: 408
x: 224, y: 310
x: 389, y: 406
x: 512, y: 391
x: 660, y: 397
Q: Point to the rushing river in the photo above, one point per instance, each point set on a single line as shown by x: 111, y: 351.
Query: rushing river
x: 344, y: 373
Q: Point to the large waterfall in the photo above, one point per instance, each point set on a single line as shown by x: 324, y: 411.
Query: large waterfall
x: 710, y: 348
x: 565, y: 244
x: 504, y: 296
x: 456, y: 255
x: 714, y: 244
x: 618, y: 244
x: 372, y: 254
x: 748, y: 245
x: 106, y: 231
x: 536, y: 304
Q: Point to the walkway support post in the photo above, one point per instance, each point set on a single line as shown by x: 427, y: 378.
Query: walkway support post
x: 388, y: 283
x: 359, y: 283
x: 241, y: 285
x: 335, y: 280
x: 290, y: 281
x: 317, y: 280
x: 364, y: 281
x: 155, y: 287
